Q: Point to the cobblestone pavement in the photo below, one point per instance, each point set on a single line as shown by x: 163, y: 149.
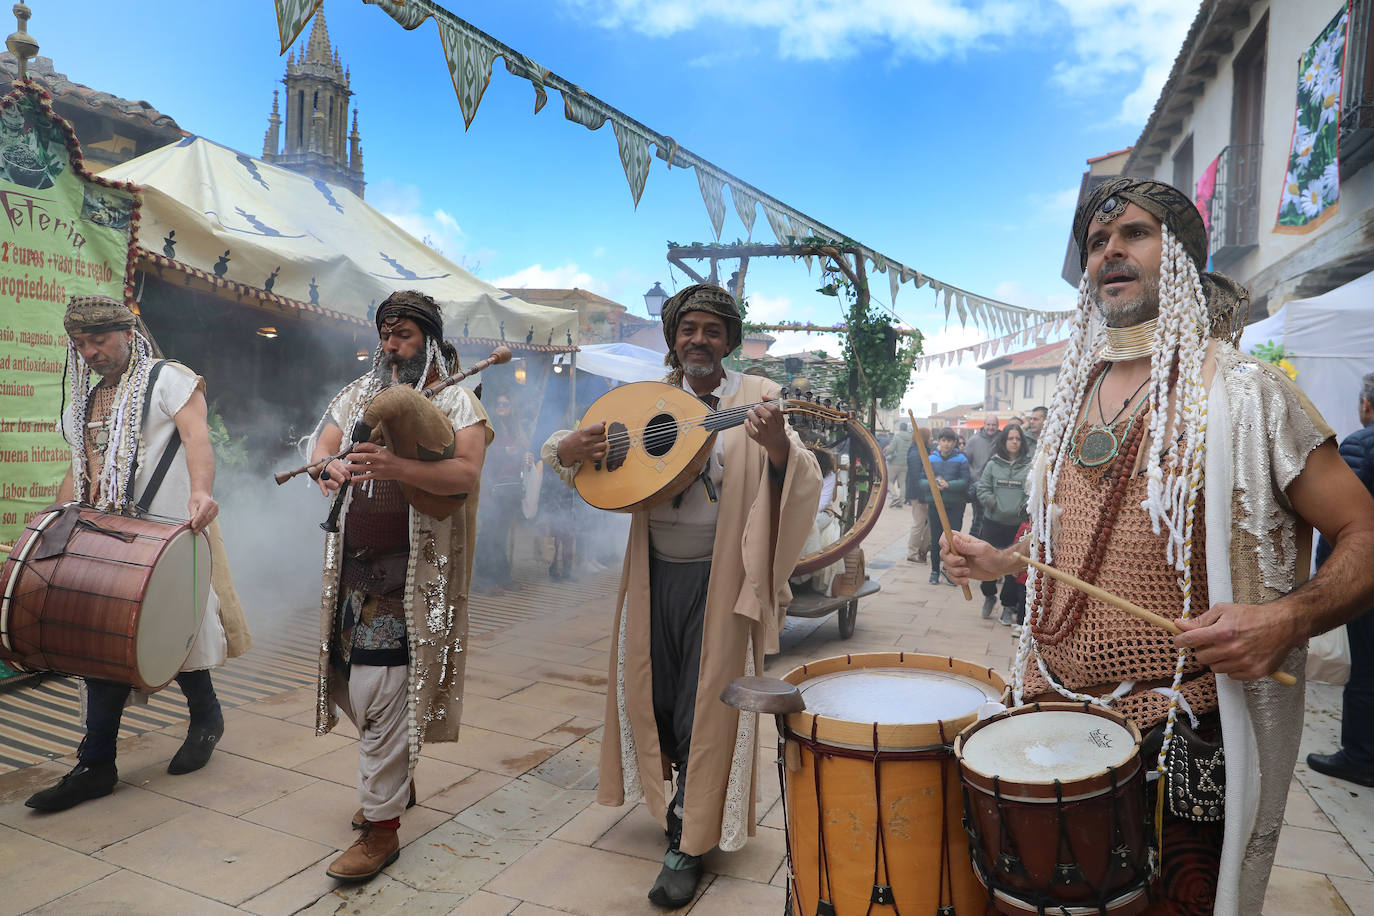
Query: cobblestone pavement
x: 506, y: 822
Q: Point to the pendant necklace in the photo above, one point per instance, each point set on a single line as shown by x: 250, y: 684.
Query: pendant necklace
x: 1100, y: 445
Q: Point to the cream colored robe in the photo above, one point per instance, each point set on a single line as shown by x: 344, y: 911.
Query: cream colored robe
x: 1261, y: 430
x: 757, y: 545
x: 436, y: 592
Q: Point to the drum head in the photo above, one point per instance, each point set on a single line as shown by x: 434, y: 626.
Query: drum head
x: 173, y: 604
x: 1041, y: 747
x: 895, y: 696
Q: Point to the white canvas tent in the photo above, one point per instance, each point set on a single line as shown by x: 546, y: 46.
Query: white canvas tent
x: 620, y: 362
x: 239, y: 220
x: 1329, y: 339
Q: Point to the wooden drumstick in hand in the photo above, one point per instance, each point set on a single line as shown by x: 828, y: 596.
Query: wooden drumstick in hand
x: 934, y: 492
x: 1106, y: 597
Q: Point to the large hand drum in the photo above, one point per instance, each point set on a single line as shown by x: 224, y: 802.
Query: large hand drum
x: 1056, y: 808
x: 871, y: 790
x: 104, y: 596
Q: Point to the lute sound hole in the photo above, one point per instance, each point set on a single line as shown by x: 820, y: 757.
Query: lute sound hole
x: 660, y: 435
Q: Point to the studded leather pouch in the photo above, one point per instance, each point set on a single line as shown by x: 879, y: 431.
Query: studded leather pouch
x: 1195, y: 774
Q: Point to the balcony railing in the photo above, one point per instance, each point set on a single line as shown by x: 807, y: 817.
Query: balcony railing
x: 1234, y: 209
x: 1357, y: 102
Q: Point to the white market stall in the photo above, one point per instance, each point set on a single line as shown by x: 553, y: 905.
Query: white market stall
x: 1329, y: 339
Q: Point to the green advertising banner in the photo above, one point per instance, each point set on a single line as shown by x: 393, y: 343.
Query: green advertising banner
x: 63, y: 232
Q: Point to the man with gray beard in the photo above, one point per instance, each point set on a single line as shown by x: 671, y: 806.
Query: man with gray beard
x: 394, y: 599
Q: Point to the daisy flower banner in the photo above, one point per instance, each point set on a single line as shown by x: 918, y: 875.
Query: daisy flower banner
x: 1312, y: 185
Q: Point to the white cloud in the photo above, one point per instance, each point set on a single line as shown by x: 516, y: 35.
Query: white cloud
x: 537, y: 276
x: 828, y: 29
x: 960, y: 383
x: 404, y: 205
x: 1111, y: 48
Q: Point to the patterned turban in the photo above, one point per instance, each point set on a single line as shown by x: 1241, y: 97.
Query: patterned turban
x: 416, y: 306
x: 1166, y: 203
x: 1228, y: 303
x: 703, y: 297
x: 97, y: 314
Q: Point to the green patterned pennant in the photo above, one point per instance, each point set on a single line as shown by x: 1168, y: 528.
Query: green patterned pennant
x: 469, y: 63
x: 711, y: 187
x: 581, y: 111
x: 407, y: 12
x: 745, y: 204
x: 634, y: 156
x: 778, y: 222
x: 292, y: 15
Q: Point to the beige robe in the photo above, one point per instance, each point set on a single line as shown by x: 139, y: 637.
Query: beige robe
x: 758, y: 541
x: 436, y: 593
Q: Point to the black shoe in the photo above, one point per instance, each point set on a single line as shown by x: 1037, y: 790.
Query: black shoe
x: 84, y: 782
x: 677, y: 882
x: 195, y: 751
x: 1341, y: 766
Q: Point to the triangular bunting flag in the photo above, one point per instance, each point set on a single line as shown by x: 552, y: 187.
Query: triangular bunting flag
x: 292, y: 15
x: 579, y: 108
x: 634, y: 156
x: 778, y: 223
x: 949, y: 301
x: 519, y: 65
x: 894, y: 283
x: 961, y: 303
x: 469, y: 64
x: 744, y: 207
x: 711, y: 195
x: 407, y: 12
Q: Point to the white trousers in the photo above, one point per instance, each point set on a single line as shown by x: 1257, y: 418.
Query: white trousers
x: 373, y: 697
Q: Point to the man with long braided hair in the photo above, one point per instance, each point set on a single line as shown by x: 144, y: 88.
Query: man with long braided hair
x: 394, y: 597
x: 706, y: 588
x: 1184, y: 474
x: 126, y: 411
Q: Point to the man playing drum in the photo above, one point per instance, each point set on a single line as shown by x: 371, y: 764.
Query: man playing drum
x: 704, y: 601
x: 119, y: 431
x: 396, y: 580
x: 1182, y: 474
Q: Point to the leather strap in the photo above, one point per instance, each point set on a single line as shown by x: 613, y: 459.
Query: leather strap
x: 168, y: 453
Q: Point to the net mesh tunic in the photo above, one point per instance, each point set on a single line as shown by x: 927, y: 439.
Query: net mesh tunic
x: 1107, y: 646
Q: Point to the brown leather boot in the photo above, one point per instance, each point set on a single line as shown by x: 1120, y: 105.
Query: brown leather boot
x: 360, y: 820
x: 374, y: 850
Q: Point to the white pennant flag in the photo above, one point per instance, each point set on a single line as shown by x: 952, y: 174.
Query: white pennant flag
x: 894, y: 282
x: 711, y: 187
x: 744, y: 207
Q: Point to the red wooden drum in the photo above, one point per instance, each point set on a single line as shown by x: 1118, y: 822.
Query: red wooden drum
x: 1054, y: 797
x: 114, y: 598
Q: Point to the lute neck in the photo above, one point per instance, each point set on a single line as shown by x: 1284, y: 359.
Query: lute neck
x: 728, y: 417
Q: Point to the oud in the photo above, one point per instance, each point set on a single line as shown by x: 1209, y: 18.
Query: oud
x: 658, y: 438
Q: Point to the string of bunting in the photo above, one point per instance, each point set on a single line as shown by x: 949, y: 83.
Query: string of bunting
x: 470, y: 53
x: 983, y: 349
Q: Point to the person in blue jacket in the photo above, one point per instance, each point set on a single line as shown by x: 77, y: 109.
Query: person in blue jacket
x: 1353, y: 761
x: 952, y: 477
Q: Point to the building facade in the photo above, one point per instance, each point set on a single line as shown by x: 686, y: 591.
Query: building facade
x: 1016, y: 383
x: 1224, y: 129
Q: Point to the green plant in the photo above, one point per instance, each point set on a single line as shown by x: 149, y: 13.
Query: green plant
x: 231, y: 454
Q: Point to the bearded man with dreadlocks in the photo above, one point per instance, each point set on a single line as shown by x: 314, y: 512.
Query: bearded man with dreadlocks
x: 706, y: 587
x: 1177, y: 471
x: 394, y: 600
x: 119, y: 429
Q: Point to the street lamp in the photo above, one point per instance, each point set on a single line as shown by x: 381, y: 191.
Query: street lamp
x: 654, y: 299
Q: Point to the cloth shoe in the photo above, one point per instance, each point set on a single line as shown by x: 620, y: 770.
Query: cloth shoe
x: 934, y: 578
x: 1008, y: 615
x: 195, y: 751
x: 989, y: 602
x: 360, y: 820
x: 948, y: 581
x: 84, y: 782
x: 676, y: 884
x: 374, y: 850
x: 1338, y: 765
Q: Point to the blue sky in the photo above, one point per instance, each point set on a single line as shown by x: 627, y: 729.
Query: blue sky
x: 947, y: 134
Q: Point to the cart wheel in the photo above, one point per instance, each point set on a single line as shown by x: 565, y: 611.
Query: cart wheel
x: 847, y: 615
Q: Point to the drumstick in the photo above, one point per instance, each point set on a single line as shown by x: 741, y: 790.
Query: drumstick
x: 1106, y: 597
x: 935, y: 492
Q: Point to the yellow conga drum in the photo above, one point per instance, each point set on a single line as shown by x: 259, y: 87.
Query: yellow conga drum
x: 871, y: 788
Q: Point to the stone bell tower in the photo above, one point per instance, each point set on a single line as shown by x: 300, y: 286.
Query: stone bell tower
x: 318, y: 141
